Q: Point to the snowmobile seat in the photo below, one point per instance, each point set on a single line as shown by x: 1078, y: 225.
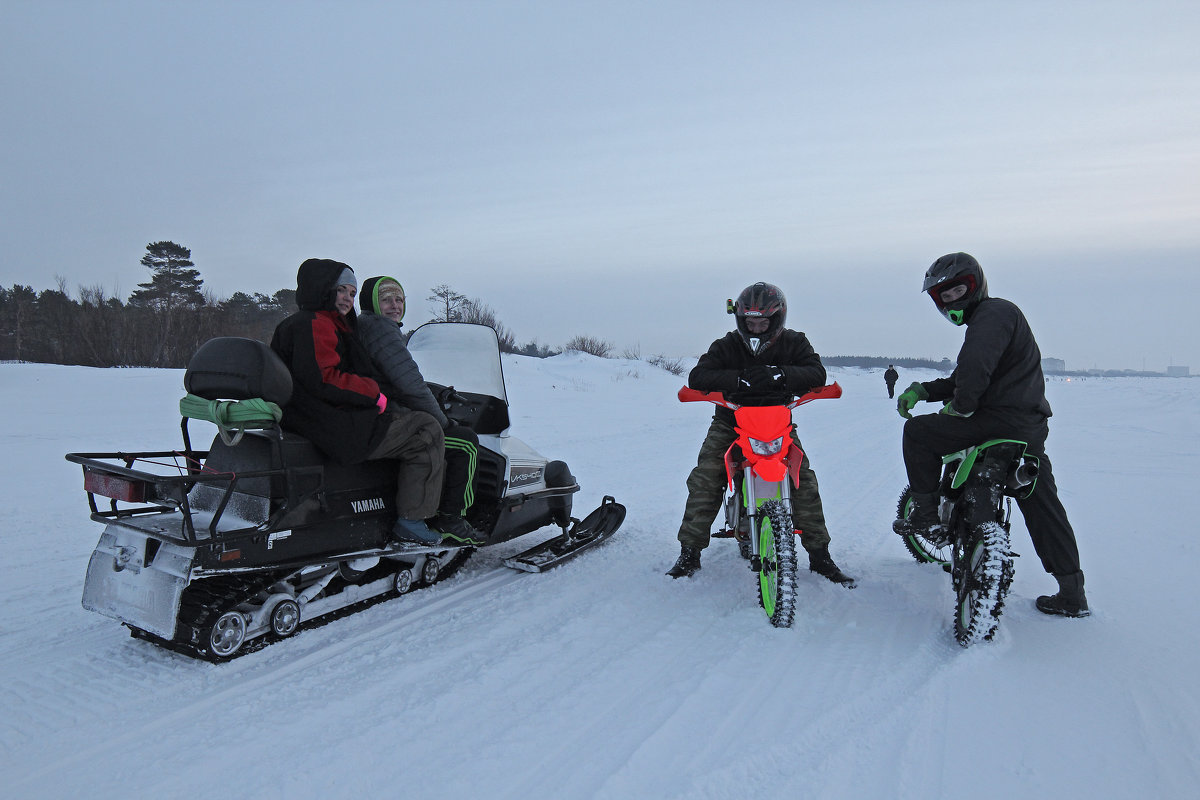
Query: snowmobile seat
x: 294, y: 463
x: 239, y: 385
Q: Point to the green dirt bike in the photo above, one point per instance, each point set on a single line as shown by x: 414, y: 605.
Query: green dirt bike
x: 975, y: 508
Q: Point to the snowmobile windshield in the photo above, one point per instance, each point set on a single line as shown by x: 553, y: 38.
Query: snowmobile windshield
x: 460, y: 354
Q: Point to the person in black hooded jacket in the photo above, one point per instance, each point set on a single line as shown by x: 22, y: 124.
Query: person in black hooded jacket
x: 339, y: 401
x: 761, y: 363
x: 996, y: 391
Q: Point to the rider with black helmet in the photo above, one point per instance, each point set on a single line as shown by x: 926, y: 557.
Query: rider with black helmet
x: 760, y: 363
x: 995, y: 391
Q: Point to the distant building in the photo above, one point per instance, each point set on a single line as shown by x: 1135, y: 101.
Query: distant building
x: 1178, y: 372
x: 1054, y: 365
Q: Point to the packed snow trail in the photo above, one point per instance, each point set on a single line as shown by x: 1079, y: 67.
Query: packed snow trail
x: 604, y: 678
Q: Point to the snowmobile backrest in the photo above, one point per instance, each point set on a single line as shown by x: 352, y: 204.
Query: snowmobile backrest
x: 234, y: 368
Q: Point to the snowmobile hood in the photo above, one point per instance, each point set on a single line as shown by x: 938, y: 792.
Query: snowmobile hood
x: 316, y: 284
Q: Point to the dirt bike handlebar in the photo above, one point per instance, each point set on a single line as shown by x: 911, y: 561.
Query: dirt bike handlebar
x: 689, y: 395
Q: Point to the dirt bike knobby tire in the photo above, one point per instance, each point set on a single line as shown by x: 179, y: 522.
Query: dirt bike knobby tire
x: 919, y: 547
x: 776, y: 578
x: 980, y: 589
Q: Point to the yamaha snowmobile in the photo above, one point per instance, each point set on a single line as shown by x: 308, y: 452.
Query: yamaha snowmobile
x: 216, y: 552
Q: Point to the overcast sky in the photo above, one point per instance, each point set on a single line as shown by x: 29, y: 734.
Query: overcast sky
x: 618, y: 169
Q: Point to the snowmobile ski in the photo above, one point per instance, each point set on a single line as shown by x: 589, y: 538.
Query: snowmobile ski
x: 594, y: 529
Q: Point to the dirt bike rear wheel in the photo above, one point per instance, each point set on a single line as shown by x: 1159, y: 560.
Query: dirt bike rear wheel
x: 924, y: 550
x: 776, y: 576
x: 984, y: 572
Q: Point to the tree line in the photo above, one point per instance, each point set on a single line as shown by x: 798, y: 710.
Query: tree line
x: 161, y: 324
x: 166, y: 319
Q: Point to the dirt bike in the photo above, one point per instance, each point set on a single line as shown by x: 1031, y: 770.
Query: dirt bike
x: 975, y: 508
x: 758, y: 501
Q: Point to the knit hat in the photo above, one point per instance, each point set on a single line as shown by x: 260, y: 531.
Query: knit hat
x: 347, y: 278
x: 376, y: 289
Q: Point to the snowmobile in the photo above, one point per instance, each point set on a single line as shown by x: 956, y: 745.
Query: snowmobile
x: 216, y: 552
x: 761, y: 466
x: 975, y: 508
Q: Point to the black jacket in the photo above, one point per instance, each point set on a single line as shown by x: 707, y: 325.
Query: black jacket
x: 334, y: 383
x: 999, y: 366
x: 719, y: 368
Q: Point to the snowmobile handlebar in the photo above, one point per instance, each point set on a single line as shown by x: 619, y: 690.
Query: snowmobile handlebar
x: 689, y: 395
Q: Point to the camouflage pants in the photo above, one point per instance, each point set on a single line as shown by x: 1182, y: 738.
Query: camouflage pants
x: 706, y: 486
x: 415, y: 441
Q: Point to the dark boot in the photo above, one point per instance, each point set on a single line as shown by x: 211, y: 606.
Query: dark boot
x: 820, y: 562
x: 688, y: 563
x: 414, y: 531
x: 1069, y: 601
x: 923, y: 519
x: 456, y: 530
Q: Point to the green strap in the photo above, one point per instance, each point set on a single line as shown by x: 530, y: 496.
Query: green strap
x: 232, y: 417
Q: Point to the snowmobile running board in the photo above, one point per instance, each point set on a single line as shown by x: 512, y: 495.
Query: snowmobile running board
x: 595, y: 528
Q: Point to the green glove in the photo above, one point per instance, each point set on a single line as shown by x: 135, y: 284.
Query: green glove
x: 949, y: 411
x: 914, y: 394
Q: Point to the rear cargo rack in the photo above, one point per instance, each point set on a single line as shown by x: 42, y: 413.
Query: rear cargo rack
x: 114, y: 476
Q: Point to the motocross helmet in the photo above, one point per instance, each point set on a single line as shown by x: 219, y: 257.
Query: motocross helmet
x: 956, y: 284
x: 756, y: 302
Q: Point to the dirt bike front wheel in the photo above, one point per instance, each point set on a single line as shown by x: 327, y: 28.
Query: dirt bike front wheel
x: 776, y: 575
x: 983, y: 574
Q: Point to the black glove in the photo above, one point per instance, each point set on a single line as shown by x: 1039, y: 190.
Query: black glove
x: 447, y: 397
x: 761, y: 378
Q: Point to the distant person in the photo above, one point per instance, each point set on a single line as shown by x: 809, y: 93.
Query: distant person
x: 760, y: 363
x: 338, y: 401
x: 890, y: 377
x: 996, y: 391
x: 382, y: 303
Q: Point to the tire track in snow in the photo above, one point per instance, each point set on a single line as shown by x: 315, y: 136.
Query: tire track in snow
x: 252, y: 676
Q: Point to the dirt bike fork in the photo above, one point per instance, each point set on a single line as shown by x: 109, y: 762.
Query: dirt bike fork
x: 751, y: 485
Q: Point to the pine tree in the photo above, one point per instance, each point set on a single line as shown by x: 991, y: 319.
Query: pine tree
x: 174, y: 283
x: 171, y: 299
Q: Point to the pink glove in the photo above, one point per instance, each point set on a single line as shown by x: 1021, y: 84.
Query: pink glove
x: 381, y: 401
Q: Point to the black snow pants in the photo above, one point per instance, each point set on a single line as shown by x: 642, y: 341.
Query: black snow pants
x: 462, y: 451
x: 929, y: 437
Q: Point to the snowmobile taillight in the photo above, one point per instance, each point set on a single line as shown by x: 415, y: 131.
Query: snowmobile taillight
x: 114, y: 486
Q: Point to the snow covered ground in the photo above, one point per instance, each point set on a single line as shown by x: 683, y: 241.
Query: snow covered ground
x: 603, y: 678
